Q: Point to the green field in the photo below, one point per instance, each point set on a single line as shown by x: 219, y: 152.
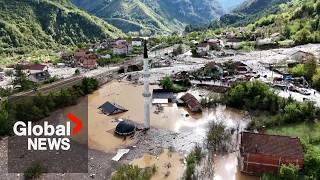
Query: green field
x: 306, y: 131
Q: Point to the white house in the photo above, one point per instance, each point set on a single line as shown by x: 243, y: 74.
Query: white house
x: 203, y: 48
x: 121, y: 49
x: 37, y: 72
x: 136, y: 42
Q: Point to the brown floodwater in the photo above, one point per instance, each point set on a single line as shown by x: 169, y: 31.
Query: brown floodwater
x: 173, y: 118
x: 226, y: 168
x: 169, y: 165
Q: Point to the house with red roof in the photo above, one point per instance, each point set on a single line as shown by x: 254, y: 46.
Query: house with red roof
x: 86, y: 59
x: 37, y: 72
x: 263, y: 153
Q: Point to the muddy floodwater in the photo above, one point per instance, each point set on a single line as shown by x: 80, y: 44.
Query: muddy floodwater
x: 169, y: 164
x: 191, y: 127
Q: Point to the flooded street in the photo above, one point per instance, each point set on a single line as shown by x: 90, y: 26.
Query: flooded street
x: 174, y: 127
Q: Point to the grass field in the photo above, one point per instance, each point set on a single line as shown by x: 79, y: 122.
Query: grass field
x: 309, y: 132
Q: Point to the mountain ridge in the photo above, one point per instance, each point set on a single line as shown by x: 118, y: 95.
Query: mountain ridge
x: 165, y: 16
x: 32, y: 24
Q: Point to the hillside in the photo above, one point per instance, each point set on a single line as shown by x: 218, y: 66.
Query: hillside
x: 295, y: 22
x: 250, y: 10
x: 42, y: 24
x: 152, y: 16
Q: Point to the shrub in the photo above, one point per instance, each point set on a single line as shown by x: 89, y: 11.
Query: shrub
x: 130, y: 172
x: 298, y: 70
x: 217, y: 136
x: 252, y: 95
x: 311, y: 161
x: 288, y: 172
x: 316, y: 80
x: 34, y: 171
x: 192, y: 160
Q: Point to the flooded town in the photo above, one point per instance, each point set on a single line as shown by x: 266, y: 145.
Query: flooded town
x: 159, y: 108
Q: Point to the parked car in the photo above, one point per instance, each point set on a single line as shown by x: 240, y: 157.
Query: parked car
x: 304, y: 91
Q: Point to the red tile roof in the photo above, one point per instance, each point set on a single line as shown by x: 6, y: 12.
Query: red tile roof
x: 272, y: 145
x: 35, y: 66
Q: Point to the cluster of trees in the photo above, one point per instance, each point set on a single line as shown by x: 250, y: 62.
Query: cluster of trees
x: 309, y: 70
x: 257, y: 96
x: 169, y: 84
x: 34, y: 108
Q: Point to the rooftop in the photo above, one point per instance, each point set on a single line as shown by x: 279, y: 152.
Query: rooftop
x: 271, y: 145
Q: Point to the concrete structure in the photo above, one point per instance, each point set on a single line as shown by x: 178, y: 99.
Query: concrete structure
x: 146, y: 93
x: 263, y: 153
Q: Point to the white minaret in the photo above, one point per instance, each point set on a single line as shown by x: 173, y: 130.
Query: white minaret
x: 146, y: 93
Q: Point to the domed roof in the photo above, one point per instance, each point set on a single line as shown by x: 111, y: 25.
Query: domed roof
x: 125, y: 128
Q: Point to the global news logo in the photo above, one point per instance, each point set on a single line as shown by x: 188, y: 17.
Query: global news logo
x: 47, y: 136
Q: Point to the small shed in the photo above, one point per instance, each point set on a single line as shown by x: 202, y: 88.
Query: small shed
x: 112, y: 108
x: 263, y: 153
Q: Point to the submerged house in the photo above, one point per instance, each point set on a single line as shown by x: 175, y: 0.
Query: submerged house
x: 263, y: 153
x: 162, y: 96
x: 112, y: 108
x: 192, y: 102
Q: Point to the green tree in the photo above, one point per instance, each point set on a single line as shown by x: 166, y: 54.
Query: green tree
x: 311, y: 161
x: 310, y: 67
x: 21, y: 79
x: 288, y: 172
x: 303, y: 36
x: 318, y: 7
x: 167, y: 83
x: 316, y: 80
x: 298, y: 70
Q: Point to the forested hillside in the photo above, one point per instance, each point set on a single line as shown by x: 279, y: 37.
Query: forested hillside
x: 295, y: 20
x: 42, y: 24
x: 153, y: 16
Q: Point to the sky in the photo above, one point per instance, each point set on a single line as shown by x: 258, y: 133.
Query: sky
x: 230, y: 4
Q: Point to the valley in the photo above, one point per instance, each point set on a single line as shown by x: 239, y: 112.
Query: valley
x: 153, y: 90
